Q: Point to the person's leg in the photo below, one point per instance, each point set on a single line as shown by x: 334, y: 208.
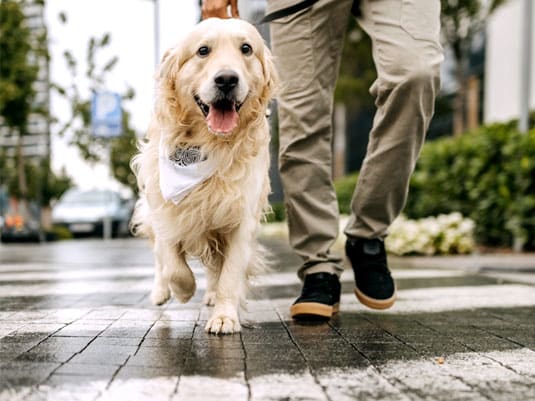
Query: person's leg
x: 407, y: 55
x: 307, y: 48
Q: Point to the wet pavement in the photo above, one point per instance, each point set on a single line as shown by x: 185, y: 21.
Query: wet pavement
x: 76, y: 324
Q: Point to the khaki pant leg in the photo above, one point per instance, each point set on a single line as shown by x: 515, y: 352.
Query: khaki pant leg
x: 307, y: 48
x: 407, y: 55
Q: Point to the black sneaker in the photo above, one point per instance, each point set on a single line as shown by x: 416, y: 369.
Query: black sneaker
x: 375, y: 287
x: 320, y: 297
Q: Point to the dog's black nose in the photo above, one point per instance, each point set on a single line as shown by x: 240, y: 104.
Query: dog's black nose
x: 226, y: 80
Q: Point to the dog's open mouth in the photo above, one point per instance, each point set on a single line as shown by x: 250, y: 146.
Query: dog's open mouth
x: 221, y: 116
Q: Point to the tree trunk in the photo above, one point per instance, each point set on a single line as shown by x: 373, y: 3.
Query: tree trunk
x: 472, y: 103
x: 458, y: 105
x: 23, y: 186
x: 339, y: 145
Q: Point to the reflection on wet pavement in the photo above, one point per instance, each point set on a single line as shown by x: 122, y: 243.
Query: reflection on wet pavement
x: 76, y: 324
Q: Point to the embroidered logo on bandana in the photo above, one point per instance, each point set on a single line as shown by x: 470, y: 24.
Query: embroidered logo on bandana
x: 185, y: 157
x: 181, y: 170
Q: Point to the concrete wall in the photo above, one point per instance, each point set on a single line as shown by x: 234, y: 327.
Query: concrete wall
x: 503, y: 63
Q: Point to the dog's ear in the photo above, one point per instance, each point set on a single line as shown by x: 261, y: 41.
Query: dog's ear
x: 168, y: 68
x: 270, y: 75
x: 167, y: 105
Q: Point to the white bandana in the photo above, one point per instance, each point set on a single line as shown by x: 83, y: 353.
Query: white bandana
x: 181, y: 171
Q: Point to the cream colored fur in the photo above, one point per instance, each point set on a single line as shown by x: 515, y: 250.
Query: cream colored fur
x: 218, y: 221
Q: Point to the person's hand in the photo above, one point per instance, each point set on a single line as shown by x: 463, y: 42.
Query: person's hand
x: 219, y: 9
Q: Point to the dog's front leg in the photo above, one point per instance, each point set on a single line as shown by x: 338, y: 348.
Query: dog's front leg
x: 212, y: 277
x: 176, y: 272
x: 160, y: 290
x: 230, y: 287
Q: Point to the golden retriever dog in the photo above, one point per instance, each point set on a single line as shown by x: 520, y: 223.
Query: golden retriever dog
x: 203, y: 169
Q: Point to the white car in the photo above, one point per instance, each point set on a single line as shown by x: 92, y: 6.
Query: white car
x: 86, y: 212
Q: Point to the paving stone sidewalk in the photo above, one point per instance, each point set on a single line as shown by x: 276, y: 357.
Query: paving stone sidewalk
x: 76, y: 324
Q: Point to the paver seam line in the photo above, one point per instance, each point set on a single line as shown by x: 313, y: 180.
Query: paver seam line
x: 186, y: 354
x: 502, y: 337
x: 127, y: 359
x: 499, y: 336
x: 46, y: 338
x: 63, y: 363
x: 34, y: 386
x: 497, y: 316
x: 417, y: 391
x: 460, y: 378
x: 508, y: 339
x: 79, y: 352
x: 115, y: 374
x: 510, y: 368
x: 294, y: 341
x: 245, y: 374
x: 479, y: 389
x: 401, y: 387
x: 480, y: 354
x: 390, y: 334
x: 144, y: 336
x: 393, y: 381
x: 43, y: 340
x: 404, y: 389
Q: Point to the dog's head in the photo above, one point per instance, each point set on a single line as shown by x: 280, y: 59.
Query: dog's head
x: 221, y: 76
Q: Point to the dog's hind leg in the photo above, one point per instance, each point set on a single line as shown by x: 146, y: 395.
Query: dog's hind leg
x: 160, y: 290
x: 176, y: 272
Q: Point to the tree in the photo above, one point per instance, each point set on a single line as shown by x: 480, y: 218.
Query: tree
x: 21, y: 50
x: 95, y: 149
x: 18, y: 72
x: 122, y: 150
x: 461, y: 20
x: 41, y: 182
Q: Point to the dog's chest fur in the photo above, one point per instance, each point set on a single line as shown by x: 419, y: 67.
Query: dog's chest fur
x: 237, y: 192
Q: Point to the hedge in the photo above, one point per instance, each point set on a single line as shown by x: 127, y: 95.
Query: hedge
x: 487, y: 175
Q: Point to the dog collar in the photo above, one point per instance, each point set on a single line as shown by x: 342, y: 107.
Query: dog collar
x: 181, y: 170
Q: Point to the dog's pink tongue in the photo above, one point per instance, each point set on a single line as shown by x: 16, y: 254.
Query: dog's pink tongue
x: 222, y: 121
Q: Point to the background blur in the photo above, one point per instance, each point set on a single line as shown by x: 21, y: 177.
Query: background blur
x: 58, y: 57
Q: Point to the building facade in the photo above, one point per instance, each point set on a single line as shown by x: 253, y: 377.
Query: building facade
x: 503, y: 64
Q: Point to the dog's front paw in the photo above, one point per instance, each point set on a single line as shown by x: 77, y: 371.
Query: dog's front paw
x: 209, y: 298
x: 223, y: 324
x: 159, y: 295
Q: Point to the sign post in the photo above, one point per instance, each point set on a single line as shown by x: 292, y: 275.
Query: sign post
x: 106, y: 122
x: 106, y: 115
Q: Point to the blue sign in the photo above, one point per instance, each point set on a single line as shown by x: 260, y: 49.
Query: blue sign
x: 106, y: 115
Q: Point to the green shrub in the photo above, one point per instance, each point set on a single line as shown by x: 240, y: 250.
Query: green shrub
x: 344, y: 191
x: 487, y: 175
x: 60, y: 233
x: 345, y: 187
x: 277, y: 212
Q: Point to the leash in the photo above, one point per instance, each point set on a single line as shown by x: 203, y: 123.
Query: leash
x: 284, y: 12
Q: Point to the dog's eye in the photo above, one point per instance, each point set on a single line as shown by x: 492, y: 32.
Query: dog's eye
x: 203, y: 51
x: 246, y: 49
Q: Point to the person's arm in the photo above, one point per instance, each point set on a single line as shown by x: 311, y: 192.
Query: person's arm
x: 219, y: 9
